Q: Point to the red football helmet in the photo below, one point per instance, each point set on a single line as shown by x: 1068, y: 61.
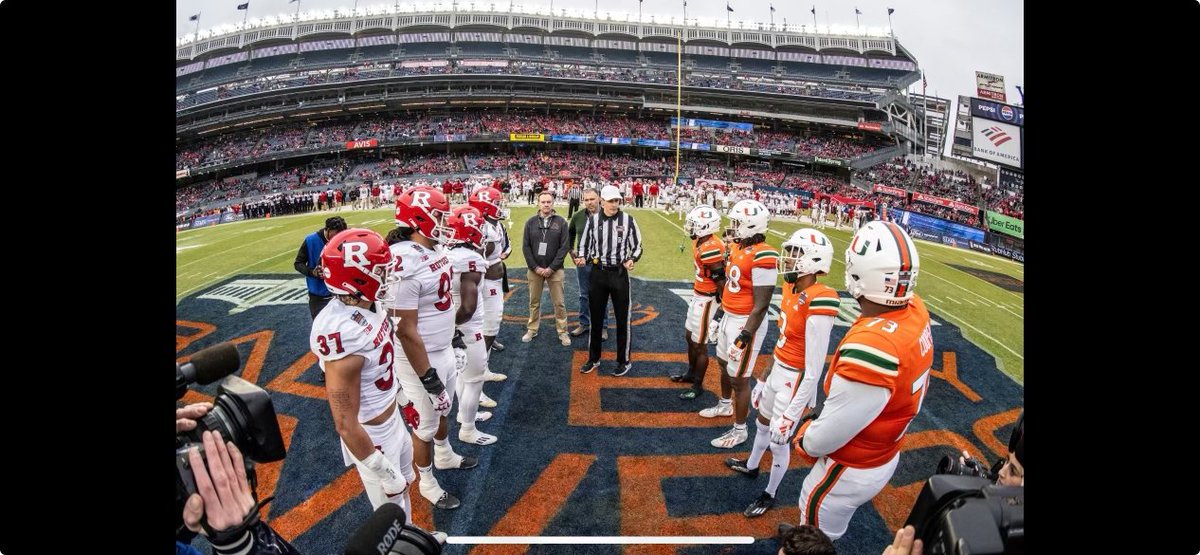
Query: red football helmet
x: 425, y: 209
x: 467, y: 223
x: 490, y: 202
x: 358, y: 262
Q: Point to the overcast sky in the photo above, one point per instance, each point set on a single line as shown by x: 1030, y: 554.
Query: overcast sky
x: 950, y: 39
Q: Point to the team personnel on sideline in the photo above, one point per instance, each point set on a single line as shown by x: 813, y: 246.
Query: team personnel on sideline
x: 708, y: 256
x: 490, y: 202
x: 749, y: 284
x: 308, y: 261
x: 876, y: 382
x: 424, y: 327
x: 466, y: 223
x: 612, y: 244
x: 352, y: 338
x: 789, y: 387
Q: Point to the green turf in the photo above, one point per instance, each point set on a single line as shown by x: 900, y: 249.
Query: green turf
x: 990, y: 316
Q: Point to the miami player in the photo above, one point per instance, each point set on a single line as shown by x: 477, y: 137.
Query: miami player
x: 789, y: 387
x: 875, y: 385
x: 351, y: 337
x: 468, y: 264
x: 708, y: 257
x: 424, y: 327
x: 749, y: 283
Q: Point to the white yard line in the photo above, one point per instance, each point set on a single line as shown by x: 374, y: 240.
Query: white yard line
x: 977, y: 330
x: 234, y: 272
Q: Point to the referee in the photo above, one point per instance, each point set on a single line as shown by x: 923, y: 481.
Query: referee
x: 611, y: 244
x: 574, y: 193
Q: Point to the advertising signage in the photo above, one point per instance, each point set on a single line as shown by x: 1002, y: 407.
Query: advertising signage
x: 996, y: 111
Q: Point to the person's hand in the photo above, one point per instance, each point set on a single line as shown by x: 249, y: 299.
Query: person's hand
x: 225, y: 499
x: 781, y: 429
x: 757, y: 393
x: 318, y: 271
x: 905, y: 543
x: 578, y: 261
x: 629, y: 265
x: 441, y: 403
x: 738, y: 349
x: 186, y: 417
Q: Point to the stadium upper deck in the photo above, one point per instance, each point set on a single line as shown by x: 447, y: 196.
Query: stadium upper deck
x: 761, y: 57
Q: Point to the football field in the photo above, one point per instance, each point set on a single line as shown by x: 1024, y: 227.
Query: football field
x: 590, y: 454
x: 981, y: 293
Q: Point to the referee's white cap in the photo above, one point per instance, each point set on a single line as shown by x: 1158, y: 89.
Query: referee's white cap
x: 610, y: 192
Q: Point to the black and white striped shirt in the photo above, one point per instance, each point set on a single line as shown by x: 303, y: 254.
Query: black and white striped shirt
x: 611, y: 240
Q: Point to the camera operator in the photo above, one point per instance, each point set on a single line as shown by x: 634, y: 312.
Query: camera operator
x: 224, y: 510
x: 1009, y: 471
x: 185, y: 418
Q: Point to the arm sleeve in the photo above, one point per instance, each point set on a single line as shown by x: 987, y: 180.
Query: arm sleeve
x: 571, y: 234
x: 563, y: 247
x: 585, y: 242
x: 635, y: 240
x: 763, y: 276
x: 408, y: 295
x: 816, y: 344
x: 851, y: 406
x: 507, y: 246
x: 301, y: 263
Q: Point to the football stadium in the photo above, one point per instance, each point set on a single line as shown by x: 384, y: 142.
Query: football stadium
x: 334, y: 165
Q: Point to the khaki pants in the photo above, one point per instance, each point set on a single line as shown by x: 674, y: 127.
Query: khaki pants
x: 536, y: 283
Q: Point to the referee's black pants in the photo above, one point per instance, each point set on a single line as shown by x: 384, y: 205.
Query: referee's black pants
x: 606, y: 282
x: 572, y: 206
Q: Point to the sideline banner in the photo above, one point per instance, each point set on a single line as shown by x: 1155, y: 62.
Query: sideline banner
x: 1007, y: 225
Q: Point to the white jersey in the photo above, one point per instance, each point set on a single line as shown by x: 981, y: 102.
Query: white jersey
x: 463, y: 260
x: 425, y: 279
x: 494, y: 233
x: 341, y: 330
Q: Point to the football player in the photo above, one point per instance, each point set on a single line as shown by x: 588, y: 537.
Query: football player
x: 789, y: 387
x: 469, y: 265
x: 424, y: 327
x: 490, y: 202
x: 708, y: 257
x: 351, y: 337
x: 875, y: 385
x: 749, y: 283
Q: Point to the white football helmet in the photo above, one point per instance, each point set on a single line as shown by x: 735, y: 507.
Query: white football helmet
x: 882, y: 264
x: 747, y: 218
x: 702, y: 220
x: 807, y: 251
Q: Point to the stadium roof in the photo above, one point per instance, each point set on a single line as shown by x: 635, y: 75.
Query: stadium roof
x: 396, y: 18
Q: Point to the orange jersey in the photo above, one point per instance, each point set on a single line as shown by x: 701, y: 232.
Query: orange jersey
x: 893, y: 350
x: 711, y: 251
x: 817, y: 300
x: 738, y: 298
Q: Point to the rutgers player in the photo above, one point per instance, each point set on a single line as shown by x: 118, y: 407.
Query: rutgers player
x: 469, y: 265
x: 749, y: 284
x: 490, y: 202
x: 875, y: 384
x: 708, y: 256
x: 424, y: 327
x: 351, y: 337
x: 789, y: 387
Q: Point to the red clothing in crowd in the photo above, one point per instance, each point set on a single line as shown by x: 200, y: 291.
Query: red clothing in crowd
x: 654, y: 189
x: 637, y: 188
x: 337, y: 195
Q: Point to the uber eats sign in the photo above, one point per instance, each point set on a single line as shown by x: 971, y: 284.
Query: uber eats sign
x: 1007, y: 225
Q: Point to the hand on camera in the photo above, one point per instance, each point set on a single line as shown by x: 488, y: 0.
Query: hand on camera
x: 186, y: 417
x: 224, y: 499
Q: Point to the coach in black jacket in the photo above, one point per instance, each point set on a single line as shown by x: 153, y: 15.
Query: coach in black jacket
x: 545, y: 246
